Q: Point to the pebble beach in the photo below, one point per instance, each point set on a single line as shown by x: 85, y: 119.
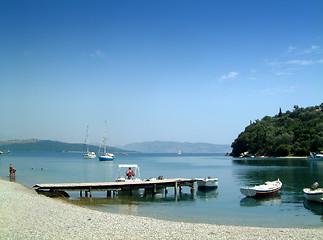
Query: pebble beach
x: 26, y: 215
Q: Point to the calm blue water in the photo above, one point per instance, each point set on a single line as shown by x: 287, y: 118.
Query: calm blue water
x: 225, y: 205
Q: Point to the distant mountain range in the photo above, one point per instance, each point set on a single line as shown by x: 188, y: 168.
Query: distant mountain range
x: 35, y: 145
x: 174, y: 147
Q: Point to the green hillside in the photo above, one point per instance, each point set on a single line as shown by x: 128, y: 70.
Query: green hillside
x: 294, y: 133
x: 35, y: 145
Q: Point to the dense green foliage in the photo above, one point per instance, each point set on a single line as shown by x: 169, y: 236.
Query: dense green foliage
x: 292, y: 133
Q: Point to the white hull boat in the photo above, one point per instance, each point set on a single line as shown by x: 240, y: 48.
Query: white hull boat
x: 262, y: 190
x: 315, y: 156
x: 314, y: 193
x: 88, y: 154
x: 123, y: 174
x: 204, y: 183
x: 106, y: 156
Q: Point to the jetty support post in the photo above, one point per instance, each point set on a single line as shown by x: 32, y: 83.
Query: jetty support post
x: 108, y: 193
x: 180, y: 189
x: 154, y: 190
x: 90, y: 192
x: 193, y: 188
x: 81, y: 193
x: 175, y: 189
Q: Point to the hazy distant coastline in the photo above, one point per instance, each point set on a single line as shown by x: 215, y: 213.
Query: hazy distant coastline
x: 36, y: 145
x: 174, y: 147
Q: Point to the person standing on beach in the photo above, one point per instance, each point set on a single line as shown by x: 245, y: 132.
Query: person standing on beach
x: 12, y: 171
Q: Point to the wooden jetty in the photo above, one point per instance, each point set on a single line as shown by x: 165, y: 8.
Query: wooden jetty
x: 114, y: 187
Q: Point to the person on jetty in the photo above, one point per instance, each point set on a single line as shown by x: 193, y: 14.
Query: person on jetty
x: 12, y: 171
x: 130, y: 173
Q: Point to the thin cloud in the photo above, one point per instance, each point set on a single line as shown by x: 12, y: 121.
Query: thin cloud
x: 290, y: 50
x: 279, y: 90
x: 300, y: 62
x: 99, y: 54
x: 312, y: 49
x: 230, y: 75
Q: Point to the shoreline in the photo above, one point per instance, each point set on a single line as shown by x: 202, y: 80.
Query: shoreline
x: 27, y: 215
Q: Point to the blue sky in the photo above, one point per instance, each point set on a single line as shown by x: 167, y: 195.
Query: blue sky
x: 180, y: 70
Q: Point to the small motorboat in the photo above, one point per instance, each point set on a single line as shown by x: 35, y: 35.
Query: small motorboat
x: 262, y: 190
x: 128, y: 173
x: 314, y: 193
x: 315, y: 156
x: 205, y: 183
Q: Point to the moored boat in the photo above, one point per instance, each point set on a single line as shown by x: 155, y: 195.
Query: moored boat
x: 128, y: 172
x: 106, y: 156
x: 262, y: 190
x: 314, y: 193
x: 315, y: 156
x: 88, y: 154
x: 204, y: 183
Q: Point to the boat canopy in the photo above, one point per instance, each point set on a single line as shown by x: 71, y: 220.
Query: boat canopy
x: 122, y: 168
x: 128, y: 166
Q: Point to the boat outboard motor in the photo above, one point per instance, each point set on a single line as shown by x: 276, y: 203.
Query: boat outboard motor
x: 315, y: 186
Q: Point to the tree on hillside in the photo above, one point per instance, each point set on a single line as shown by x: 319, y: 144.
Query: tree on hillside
x: 292, y: 133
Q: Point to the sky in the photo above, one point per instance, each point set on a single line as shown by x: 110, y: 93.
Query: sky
x: 171, y: 70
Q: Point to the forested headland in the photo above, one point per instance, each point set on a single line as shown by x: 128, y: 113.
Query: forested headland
x: 295, y: 133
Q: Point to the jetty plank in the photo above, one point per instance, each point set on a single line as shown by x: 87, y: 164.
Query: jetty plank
x: 127, y: 185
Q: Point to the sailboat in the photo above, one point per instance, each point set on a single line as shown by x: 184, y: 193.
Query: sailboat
x: 88, y: 154
x: 106, y: 156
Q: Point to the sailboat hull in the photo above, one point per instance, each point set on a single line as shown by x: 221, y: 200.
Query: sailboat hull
x: 107, y: 157
x: 103, y: 158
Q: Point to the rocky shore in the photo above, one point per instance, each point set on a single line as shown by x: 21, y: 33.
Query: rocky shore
x: 26, y: 215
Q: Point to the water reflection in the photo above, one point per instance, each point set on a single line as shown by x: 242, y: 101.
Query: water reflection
x: 295, y: 174
x: 12, y: 178
x: 314, y: 207
x: 262, y: 201
x: 281, y: 162
x: 207, y: 194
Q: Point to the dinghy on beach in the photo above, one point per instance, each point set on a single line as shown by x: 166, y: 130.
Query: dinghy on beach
x: 262, y: 190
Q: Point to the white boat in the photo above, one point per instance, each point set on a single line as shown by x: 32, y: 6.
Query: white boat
x: 123, y: 174
x: 314, y: 193
x: 88, y: 154
x: 204, y: 183
x: 315, y: 156
x: 105, y: 156
x: 131, y: 173
x: 179, y: 152
x: 262, y: 190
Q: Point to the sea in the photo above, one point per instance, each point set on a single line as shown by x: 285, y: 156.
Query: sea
x: 224, y: 205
